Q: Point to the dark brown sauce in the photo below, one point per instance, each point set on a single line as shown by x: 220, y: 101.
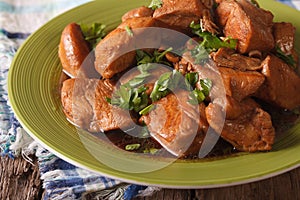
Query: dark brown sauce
x: 121, y: 139
x: 282, y: 120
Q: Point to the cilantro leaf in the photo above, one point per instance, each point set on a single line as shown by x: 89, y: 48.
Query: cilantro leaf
x: 146, y: 110
x: 199, y: 95
x: 143, y: 57
x: 151, y: 150
x: 160, y: 88
x: 132, y: 95
x: 155, y: 4
x: 93, y: 33
x: 130, y: 98
x: 212, y: 42
x: 166, y: 83
x: 191, y: 79
x: 129, y: 31
x: 196, y: 97
x: 131, y: 147
x: 206, y: 85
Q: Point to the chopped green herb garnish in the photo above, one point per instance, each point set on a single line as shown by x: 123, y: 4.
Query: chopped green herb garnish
x: 132, y: 95
x: 160, y: 88
x: 206, y: 85
x: 146, y: 110
x: 165, y: 84
x: 191, y: 79
x: 196, y: 97
x: 144, y: 68
x: 143, y: 57
x: 155, y: 4
x: 132, y: 147
x: 93, y: 33
x: 130, y: 98
x: 212, y: 42
x: 151, y: 150
x: 288, y: 59
x: 129, y: 31
x: 199, y: 95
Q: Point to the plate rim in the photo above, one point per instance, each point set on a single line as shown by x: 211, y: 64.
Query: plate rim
x: 64, y: 157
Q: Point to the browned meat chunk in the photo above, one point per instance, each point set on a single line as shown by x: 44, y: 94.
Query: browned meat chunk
x: 284, y: 35
x: 239, y: 84
x: 281, y: 86
x: 247, y: 127
x: 175, y: 123
x: 74, y: 53
x: 116, y: 52
x: 138, y: 12
x: 84, y: 103
x: 228, y: 58
x: 179, y: 14
x: 252, y: 26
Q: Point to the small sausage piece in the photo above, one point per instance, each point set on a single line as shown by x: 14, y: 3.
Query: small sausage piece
x: 74, y: 52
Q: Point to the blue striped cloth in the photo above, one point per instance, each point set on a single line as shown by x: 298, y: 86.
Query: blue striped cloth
x: 61, y: 180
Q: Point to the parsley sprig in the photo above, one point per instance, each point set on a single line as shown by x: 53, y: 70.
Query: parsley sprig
x: 155, y: 4
x: 212, y: 42
x: 132, y: 95
x: 93, y: 33
x: 166, y: 83
x: 209, y: 43
x: 143, y: 57
x: 199, y: 95
x: 169, y: 81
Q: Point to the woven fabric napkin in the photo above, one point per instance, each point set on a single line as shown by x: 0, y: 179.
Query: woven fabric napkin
x: 61, y: 180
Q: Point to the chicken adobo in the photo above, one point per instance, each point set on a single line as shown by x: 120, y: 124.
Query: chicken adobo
x: 234, y: 65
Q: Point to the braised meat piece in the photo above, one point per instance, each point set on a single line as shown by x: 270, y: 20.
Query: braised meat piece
x: 225, y: 57
x: 241, y: 84
x: 179, y: 14
x: 252, y: 26
x: 84, y: 103
x: 175, y: 123
x: 247, y: 127
x: 142, y: 11
x: 116, y: 52
x: 74, y: 53
x: 281, y: 87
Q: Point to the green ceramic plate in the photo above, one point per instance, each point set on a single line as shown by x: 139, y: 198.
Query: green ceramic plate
x: 33, y: 93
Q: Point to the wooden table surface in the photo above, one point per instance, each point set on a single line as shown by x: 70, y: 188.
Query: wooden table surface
x: 20, y: 180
